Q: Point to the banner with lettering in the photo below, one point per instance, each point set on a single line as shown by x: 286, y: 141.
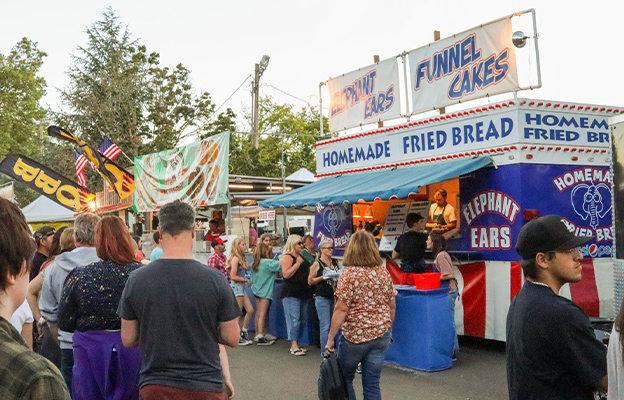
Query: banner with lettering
x: 493, y: 203
x: 196, y: 174
x: 113, y: 174
x: 478, y: 63
x: 47, y: 182
x: 365, y: 96
x: 334, y: 223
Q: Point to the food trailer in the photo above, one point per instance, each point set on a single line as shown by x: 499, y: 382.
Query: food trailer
x: 502, y: 165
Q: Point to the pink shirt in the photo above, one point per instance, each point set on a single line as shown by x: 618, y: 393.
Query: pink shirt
x: 445, y: 265
x: 368, y: 293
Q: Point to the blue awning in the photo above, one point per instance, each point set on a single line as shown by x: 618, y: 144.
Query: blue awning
x: 384, y: 185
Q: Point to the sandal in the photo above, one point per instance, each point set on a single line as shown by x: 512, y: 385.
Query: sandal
x: 303, y: 349
x: 297, y: 352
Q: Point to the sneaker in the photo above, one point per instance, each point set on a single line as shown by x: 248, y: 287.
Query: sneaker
x: 263, y: 341
x: 270, y: 337
x: 245, y: 335
x: 244, y: 342
x: 359, y: 368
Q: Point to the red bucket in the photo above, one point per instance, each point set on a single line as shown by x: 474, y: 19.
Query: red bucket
x: 427, y: 281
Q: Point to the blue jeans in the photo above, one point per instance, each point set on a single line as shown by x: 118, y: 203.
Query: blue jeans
x: 325, y: 310
x: 371, y: 355
x: 452, y: 300
x: 67, y: 363
x: 295, y: 314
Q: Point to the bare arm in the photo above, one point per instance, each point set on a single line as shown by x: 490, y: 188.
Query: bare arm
x: 603, y: 384
x: 229, y: 332
x: 392, y: 306
x: 34, y: 289
x: 225, y: 369
x: 395, y: 255
x: 340, y: 314
x: 130, y: 332
x: 288, y: 269
x: 27, y: 334
x: 312, y: 278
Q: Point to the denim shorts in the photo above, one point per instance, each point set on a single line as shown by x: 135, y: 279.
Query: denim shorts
x: 238, y: 288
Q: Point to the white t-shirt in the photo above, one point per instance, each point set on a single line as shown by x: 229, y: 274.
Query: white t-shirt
x: 21, y: 316
x: 449, y: 212
x: 615, y: 367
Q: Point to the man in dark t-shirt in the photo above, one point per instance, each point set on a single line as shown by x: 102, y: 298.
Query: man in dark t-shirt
x: 43, y: 237
x: 179, y: 310
x: 552, y: 352
x: 411, y: 246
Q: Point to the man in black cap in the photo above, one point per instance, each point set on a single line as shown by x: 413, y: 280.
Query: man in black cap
x: 552, y: 352
x: 43, y: 237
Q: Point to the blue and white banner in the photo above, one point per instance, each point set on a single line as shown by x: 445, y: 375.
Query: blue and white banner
x: 335, y: 223
x: 365, y: 96
x: 478, y: 63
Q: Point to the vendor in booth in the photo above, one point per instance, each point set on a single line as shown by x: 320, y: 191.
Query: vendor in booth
x: 441, y: 214
x: 411, y: 246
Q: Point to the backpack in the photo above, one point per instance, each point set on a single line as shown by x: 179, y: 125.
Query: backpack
x: 332, y: 384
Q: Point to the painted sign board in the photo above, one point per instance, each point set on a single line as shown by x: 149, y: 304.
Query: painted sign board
x: 395, y: 224
x: 364, y: 96
x: 512, y: 124
x: 333, y: 223
x: 494, y: 201
x: 474, y: 64
x: 268, y: 215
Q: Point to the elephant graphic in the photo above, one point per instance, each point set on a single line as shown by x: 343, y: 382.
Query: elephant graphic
x: 332, y: 219
x: 591, y: 202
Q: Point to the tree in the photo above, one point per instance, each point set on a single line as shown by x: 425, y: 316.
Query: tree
x: 120, y: 90
x: 21, y: 90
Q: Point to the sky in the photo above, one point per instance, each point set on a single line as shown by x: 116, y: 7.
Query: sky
x: 311, y: 41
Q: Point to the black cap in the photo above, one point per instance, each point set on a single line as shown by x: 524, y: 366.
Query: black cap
x: 44, y: 232
x: 546, y: 234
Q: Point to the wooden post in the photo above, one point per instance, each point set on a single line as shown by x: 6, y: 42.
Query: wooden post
x: 379, y: 123
x: 436, y: 37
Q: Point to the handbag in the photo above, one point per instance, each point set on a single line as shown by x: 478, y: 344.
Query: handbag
x: 332, y: 384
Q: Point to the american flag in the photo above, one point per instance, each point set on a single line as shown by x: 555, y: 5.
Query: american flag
x: 80, y: 162
x: 108, y: 148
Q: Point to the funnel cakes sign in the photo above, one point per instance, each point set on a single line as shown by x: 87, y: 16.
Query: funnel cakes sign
x: 196, y: 174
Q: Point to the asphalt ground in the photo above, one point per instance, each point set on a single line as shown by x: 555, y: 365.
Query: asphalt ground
x: 271, y: 372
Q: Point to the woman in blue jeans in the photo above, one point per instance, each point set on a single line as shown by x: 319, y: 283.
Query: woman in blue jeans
x: 323, y: 288
x: 295, y: 291
x: 365, y: 308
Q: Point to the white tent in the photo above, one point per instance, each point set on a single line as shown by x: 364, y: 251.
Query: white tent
x: 46, y: 210
x: 302, y: 175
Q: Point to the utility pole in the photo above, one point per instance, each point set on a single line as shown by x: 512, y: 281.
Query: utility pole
x: 258, y: 71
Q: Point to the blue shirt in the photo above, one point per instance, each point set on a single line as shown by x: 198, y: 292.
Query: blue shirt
x: 156, y: 253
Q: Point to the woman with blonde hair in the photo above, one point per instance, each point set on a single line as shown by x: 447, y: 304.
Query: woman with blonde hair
x: 365, y: 308
x: 263, y: 272
x: 238, y: 266
x: 324, y: 287
x: 295, y: 291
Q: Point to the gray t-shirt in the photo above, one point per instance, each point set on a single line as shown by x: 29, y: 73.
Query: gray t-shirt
x: 179, y: 304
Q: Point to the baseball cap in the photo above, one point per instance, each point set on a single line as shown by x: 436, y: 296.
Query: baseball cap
x: 44, y: 232
x: 544, y: 234
x: 217, y: 241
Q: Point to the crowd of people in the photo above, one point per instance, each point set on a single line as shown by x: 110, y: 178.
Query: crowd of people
x: 111, y: 327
